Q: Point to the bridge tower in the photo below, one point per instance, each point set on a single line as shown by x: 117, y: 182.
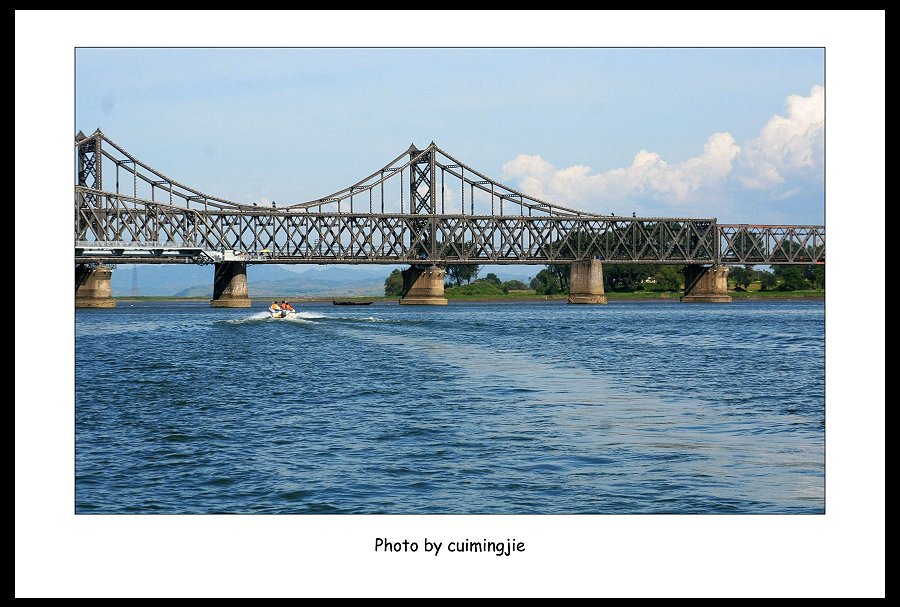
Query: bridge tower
x: 93, y: 286
x: 423, y: 284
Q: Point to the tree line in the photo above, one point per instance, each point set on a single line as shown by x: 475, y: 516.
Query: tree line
x: 554, y: 278
x: 787, y: 277
x: 627, y: 278
x: 456, y: 275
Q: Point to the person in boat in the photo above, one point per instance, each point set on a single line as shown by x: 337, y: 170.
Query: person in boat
x: 286, y: 306
x: 275, y: 309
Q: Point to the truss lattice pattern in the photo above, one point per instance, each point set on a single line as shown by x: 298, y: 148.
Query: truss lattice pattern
x: 424, y: 206
x: 759, y: 244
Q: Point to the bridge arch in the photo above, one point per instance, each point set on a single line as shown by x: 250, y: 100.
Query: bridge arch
x: 425, y: 207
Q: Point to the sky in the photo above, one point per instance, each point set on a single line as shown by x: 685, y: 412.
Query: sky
x: 732, y: 133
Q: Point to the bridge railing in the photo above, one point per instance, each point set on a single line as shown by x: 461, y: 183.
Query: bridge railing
x: 287, y: 236
x: 771, y: 244
x: 456, y: 214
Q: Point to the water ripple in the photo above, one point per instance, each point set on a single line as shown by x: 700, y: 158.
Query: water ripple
x: 472, y: 408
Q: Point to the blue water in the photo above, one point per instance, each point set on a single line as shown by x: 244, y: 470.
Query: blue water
x: 472, y: 408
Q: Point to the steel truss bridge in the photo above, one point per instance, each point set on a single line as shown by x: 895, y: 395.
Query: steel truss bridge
x: 423, y: 207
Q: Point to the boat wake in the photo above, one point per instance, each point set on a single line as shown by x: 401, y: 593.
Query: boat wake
x: 257, y: 317
x: 305, y: 317
x: 301, y: 317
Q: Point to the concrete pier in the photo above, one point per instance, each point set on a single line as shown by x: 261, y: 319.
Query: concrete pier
x: 706, y: 284
x: 93, y: 288
x: 586, y: 282
x: 423, y: 286
x: 230, y: 285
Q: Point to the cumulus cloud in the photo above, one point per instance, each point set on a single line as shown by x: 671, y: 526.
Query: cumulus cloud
x: 787, y: 146
x: 648, y: 175
x: 257, y: 199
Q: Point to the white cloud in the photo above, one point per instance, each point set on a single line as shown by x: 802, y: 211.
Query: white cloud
x: 786, y: 147
x: 648, y: 175
x: 256, y: 198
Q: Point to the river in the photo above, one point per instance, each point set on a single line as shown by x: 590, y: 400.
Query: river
x: 479, y: 408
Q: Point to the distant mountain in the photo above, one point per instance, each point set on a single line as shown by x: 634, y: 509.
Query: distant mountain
x: 197, y: 291
x: 321, y: 281
x: 177, y: 279
x: 160, y: 280
x: 263, y: 280
x: 275, y: 280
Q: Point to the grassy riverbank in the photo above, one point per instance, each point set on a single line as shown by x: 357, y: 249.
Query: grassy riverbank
x: 487, y: 292
x: 464, y: 293
x: 811, y: 294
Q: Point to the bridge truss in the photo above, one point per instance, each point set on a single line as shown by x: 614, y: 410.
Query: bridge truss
x: 425, y: 206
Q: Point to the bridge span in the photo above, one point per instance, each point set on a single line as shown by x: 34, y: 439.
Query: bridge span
x: 425, y: 208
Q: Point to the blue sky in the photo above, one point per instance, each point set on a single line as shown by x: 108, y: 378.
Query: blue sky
x: 733, y: 133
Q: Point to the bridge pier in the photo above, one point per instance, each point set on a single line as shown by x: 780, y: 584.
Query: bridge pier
x: 706, y: 284
x: 230, y: 285
x: 586, y: 282
x: 423, y: 286
x: 93, y: 288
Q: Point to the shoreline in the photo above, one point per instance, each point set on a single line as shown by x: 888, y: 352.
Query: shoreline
x: 611, y: 296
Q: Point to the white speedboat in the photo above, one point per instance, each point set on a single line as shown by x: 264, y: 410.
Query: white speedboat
x: 279, y: 314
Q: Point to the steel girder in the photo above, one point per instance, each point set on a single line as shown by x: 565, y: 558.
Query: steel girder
x: 495, y: 223
x: 285, y: 236
x: 771, y: 244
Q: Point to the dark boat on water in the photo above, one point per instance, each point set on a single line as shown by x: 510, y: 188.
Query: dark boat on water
x: 350, y: 302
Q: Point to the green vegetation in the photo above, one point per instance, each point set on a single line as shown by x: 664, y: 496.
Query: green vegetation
x: 546, y: 283
x: 635, y: 280
x: 783, y: 278
x: 624, y: 278
x: 649, y: 281
x: 561, y: 272
x: 805, y: 294
x: 626, y: 281
x: 393, y: 284
x: 669, y: 278
x: 799, y: 277
x: 614, y: 295
x: 478, y: 290
x: 462, y: 272
x: 742, y: 277
x: 491, y: 287
x: 492, y: 279
x: 792, y: 278
x: 513, y: 285
x: 481, y: 291
x: 484, y: 291
x: 809, y: 294
x: 633, y: 277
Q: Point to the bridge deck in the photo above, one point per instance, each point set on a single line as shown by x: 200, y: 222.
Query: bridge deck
x: 405, y: 213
